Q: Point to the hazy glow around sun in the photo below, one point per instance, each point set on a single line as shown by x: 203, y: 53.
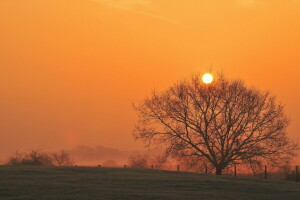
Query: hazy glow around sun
x: 207, y: 78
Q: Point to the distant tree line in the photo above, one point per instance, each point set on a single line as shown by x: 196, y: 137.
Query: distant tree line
x: 40, y: 158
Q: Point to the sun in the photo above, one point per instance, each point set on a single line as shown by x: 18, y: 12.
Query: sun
x: 207, y: 78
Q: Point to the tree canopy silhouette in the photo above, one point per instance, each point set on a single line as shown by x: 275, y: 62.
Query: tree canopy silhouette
x: 221, y: 123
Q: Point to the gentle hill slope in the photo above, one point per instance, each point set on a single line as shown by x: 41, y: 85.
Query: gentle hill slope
x: 108, y: 183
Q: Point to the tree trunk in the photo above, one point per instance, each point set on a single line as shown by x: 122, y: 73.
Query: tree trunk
x: 218, y: 171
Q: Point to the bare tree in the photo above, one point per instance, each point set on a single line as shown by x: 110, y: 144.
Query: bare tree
x: 16, y: 158
x: 137, y: 160
x: 222, y: 123
x: 62, y: 158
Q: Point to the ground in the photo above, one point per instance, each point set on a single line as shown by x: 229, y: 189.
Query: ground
x: 109, y: 183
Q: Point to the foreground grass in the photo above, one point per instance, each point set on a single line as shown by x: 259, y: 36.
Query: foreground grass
x: 108, y: 183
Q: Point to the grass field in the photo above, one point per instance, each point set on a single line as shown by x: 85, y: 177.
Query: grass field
x: 108, y: 183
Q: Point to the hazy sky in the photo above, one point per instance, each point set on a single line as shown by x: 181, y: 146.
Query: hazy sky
x: 70, y: 69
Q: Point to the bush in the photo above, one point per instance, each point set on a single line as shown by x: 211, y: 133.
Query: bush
x: 15, y: 159
x: 35, y: 157
x: 39, y: 158
x: 136, y: 160
x: 159, y: 161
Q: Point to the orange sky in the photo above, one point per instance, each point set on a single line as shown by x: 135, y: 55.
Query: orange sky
x: 70, y: 69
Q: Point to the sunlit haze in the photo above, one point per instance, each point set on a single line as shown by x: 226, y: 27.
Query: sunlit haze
x: 71, y: 69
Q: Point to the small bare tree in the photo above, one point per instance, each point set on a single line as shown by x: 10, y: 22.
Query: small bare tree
x: 16, y: 158
x: 137, y: 160
x: 221, y: 123
x: 62, y: 158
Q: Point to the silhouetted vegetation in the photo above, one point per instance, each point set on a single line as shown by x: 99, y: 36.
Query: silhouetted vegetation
x: 218, y: 124
x: 159, y: 161
x: 62, y: 158
x: 40, y: 158
x: 137, y: 160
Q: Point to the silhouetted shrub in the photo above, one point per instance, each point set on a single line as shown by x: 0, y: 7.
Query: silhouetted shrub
x: 16, y: 158
x: 159, y: 161
x: 35, y: 157
x: 136, y: 160
x: 39, y: 158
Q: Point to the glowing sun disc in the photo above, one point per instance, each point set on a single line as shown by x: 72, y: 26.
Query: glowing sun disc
x: 207, y: 78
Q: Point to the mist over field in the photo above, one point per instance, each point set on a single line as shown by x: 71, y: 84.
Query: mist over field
x: 84, y: 155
